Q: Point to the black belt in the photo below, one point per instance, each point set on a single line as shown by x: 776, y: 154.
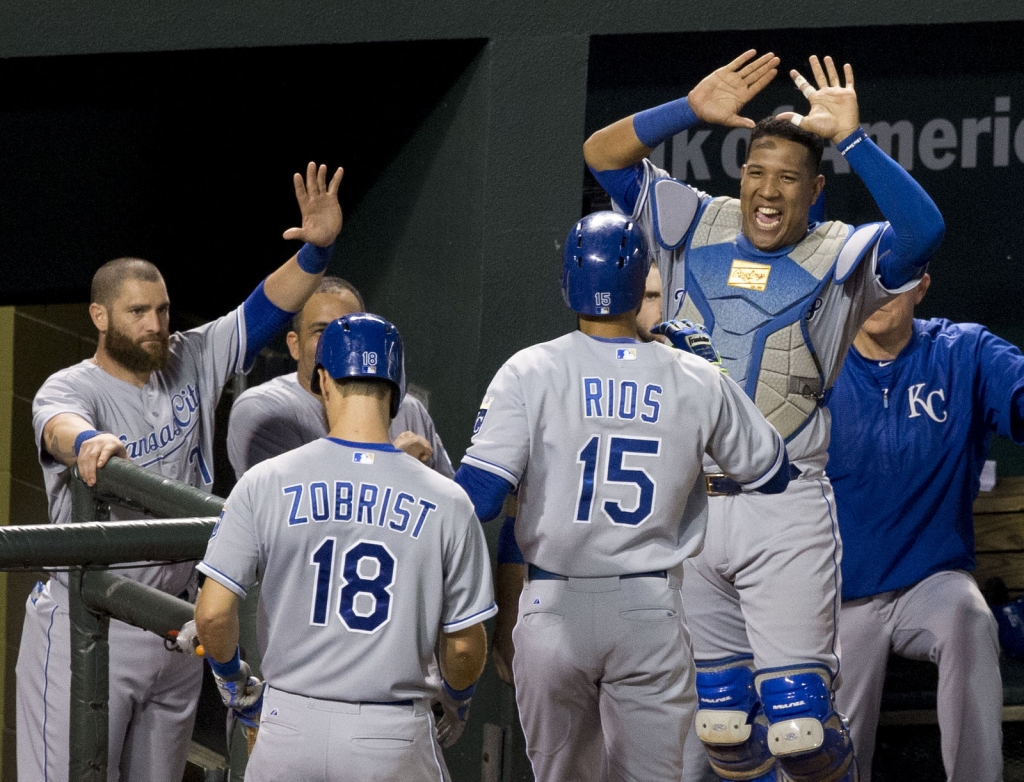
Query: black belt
x: 537, y: 574
x: 721, y: 485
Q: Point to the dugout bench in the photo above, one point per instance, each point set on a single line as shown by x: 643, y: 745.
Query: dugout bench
x: 909, y: 695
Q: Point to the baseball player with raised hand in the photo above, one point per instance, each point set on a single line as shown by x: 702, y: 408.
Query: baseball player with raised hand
x: 913, y: 411
x: 284, y: 413
x: 148, y: 396
x: 603, y: 435
x: 782, y: 300
x: 367, y: 558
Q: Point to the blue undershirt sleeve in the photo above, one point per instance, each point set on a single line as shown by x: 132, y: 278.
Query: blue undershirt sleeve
x: 622, y: 184
x: 263, y: 320
x: 486, y: 490
x: 915, y: 227
x: 508, y: 549
x: 652, y: 127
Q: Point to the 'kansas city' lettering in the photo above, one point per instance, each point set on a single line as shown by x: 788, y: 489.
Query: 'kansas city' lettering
x: 184, y: 406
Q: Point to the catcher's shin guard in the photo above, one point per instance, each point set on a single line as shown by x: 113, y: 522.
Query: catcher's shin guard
x: 730, y: 722
x: 806, y: 734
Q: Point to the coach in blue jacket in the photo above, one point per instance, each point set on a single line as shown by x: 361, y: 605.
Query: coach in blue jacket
x: 912, y: 415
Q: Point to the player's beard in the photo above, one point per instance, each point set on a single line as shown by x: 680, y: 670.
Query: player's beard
x: 132, y: 355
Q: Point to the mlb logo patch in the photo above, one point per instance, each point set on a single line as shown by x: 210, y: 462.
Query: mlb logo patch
x: 362, y: 457
x: 625, y: 354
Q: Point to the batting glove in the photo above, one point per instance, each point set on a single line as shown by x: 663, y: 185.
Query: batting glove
x: 691, y: 337
x: 455, y: 707
x: 187, y: 639
x: 239, y: 689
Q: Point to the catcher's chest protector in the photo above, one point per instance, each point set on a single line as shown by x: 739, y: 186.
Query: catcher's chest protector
x: 755, y: 305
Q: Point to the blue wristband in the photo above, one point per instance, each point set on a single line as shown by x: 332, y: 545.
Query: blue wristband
x: 228, y: 669
x: 314, y: 259
x: 459, y: 695
x: 88, y: 434
x: 851, y: 141
x: 652, y: 126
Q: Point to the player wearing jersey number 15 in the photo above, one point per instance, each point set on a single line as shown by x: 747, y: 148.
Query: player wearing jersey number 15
x: 602, y: 666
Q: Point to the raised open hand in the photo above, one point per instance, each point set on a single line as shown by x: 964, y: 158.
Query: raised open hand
x: 834, y: 111
x: 720, y: 95
x: 318, y: 202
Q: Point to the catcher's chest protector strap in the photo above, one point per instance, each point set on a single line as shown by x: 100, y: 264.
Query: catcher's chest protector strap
x: 674, y: 205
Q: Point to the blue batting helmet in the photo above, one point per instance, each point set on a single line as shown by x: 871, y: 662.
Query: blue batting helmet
x: 362, y: 345
x: 604, y: 265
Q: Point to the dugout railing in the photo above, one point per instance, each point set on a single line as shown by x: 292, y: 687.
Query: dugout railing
x: 86, y: 548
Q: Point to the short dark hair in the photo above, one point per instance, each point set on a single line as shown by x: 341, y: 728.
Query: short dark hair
x: 107, y: 281
x: 782, y: 128
x: 331, y: 285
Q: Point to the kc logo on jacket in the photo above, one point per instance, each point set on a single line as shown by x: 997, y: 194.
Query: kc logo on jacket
x: 920, y: 401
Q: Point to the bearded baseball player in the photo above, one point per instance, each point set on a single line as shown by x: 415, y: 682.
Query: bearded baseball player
x: 923, y: 397
x: 274, y: 417
x: 783, y: 300
x: 148, y: 396
x: 603, y: 435
x: 367, y: 558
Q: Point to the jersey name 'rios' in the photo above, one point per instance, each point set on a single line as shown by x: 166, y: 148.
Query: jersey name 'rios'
x: 362, y: 503
x: 620, y: 399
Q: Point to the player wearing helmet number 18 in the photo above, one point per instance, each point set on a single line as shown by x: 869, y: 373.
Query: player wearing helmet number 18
x: 602, y: 665
x: 367, y: 559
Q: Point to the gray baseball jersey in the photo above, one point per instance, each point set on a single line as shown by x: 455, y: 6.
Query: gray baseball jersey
x: 279, y: 415
x: 838, y: 311
x: 166, y: 426
x: 605, y: 440
x: 364, y: 554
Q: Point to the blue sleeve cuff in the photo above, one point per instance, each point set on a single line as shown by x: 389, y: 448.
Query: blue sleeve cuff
x: 263, y: 320
x: 486, y: 490
x: 653, y: 126
x: 778, y: 482
x: 508, y: 549
x: 622, y: 184
x: 228, y: 669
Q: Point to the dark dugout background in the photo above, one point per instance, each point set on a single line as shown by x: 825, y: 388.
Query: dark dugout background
x: 186, y: 158
x: 954, y: 94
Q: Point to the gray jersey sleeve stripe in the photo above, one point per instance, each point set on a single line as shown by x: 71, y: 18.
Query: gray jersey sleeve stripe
x: 225, y: 581
x: 771, y: 470
x: 494, y: 469
x: 469, y: 621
